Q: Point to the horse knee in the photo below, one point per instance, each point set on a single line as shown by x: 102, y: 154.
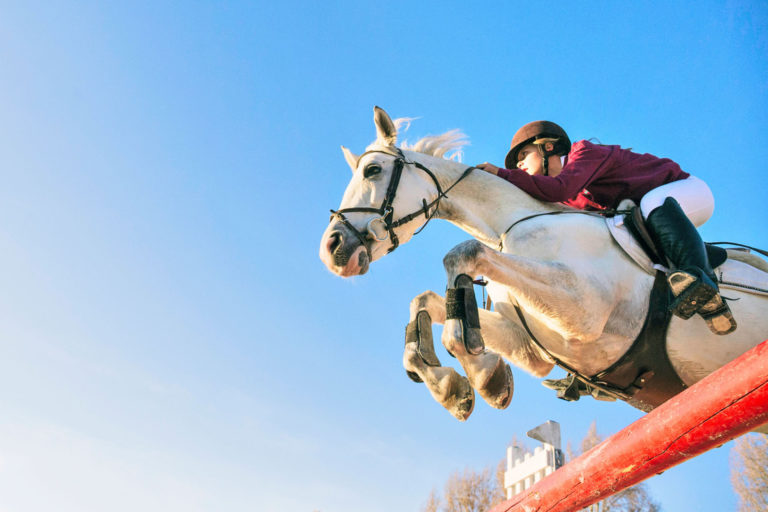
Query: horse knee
x: 430, y: 302
x: 424, y: 300
x: 463, y: 258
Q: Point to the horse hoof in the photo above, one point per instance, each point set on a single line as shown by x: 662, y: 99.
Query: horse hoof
x: 462, y: 402
x: 473, y: 340
x: 499, y: 387
x: 413, y: 376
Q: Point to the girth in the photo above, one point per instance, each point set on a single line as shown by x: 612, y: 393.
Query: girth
x: 643, y: 376
x: 644, y: 373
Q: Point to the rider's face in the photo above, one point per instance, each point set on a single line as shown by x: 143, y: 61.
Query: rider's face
x: 529, y: 160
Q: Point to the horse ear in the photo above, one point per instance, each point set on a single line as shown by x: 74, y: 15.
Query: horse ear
x: 385, y: 128
x: 350, y: 158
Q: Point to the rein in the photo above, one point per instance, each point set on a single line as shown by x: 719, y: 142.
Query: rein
x: 386, y: 212
x: 764, y: 253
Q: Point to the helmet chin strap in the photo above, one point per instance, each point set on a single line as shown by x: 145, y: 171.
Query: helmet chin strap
x: 545, y: 154
x: 544, y: 159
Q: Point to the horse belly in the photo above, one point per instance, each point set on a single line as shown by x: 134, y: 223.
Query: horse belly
x: 695, y: 351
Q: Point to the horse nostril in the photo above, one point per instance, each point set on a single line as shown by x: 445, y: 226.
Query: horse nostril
x: 334, y: 241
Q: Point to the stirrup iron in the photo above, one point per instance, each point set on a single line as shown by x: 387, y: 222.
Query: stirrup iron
x: 691, y: 293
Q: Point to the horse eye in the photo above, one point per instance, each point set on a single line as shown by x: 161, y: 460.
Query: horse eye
x: 371, y: 170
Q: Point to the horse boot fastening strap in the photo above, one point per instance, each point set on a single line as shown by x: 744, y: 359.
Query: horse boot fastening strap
x: 419, y: 331
x: 460, y: 304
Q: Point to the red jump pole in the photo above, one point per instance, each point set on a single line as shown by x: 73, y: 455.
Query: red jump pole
x: 727, y: 403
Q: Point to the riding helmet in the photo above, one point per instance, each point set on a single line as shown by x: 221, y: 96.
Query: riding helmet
x: 534, y: 131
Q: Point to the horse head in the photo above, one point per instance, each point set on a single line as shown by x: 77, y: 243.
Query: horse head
x: 387, y: 200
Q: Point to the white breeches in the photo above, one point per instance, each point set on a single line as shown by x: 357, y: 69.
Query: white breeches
x: 693, y: 194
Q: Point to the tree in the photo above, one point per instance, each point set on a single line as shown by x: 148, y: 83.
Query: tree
x: 478, y: 491
x: 468, y: 491
x: 501, y: 468
x: 432, y: 504
x: 749, y: 458
x: 631, y: 499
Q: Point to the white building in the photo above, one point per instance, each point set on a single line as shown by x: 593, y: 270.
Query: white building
x: 524, y: 468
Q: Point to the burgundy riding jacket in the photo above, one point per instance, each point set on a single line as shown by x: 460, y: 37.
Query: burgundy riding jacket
x: 609, y: 173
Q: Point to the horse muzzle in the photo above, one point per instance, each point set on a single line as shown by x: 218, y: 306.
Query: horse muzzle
x: 342, y: 252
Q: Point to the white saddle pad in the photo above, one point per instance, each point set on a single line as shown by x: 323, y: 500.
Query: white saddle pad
x: 733, y: 274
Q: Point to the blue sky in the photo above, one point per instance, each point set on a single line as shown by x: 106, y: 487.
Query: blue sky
x: 169, y: 338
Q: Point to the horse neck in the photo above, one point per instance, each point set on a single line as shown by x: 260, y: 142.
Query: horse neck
x: 482, y: 204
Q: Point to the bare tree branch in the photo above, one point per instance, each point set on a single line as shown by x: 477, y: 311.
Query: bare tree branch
x: 749, y: 459
x: 469, y: 491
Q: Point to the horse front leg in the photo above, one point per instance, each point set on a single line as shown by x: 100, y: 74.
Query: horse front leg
x: 570, y: 303
x: 486, y: 370
x: 447, y: 387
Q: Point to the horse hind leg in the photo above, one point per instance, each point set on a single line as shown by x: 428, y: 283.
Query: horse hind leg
x: 447, y: 387
x: 487, y: 372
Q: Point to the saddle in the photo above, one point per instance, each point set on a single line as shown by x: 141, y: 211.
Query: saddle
x: 735, y: 268
x: 635, y: 224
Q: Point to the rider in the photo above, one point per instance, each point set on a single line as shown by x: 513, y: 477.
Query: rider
x: 543, y: 163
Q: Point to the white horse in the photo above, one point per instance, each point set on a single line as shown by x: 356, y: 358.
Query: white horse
x: 582, y: 300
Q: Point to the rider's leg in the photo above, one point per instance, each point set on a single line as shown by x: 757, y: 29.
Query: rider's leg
x: 693, y: 195
x: 671, y: 212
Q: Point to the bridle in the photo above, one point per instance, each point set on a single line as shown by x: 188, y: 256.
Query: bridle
x: 385, y: 211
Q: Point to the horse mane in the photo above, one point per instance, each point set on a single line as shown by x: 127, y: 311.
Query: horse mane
x: 435, y: 145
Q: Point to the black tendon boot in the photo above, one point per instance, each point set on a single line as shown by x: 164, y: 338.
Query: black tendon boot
x: 692, y: 281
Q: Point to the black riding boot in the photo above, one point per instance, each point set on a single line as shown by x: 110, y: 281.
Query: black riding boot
x: 692, y: 281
